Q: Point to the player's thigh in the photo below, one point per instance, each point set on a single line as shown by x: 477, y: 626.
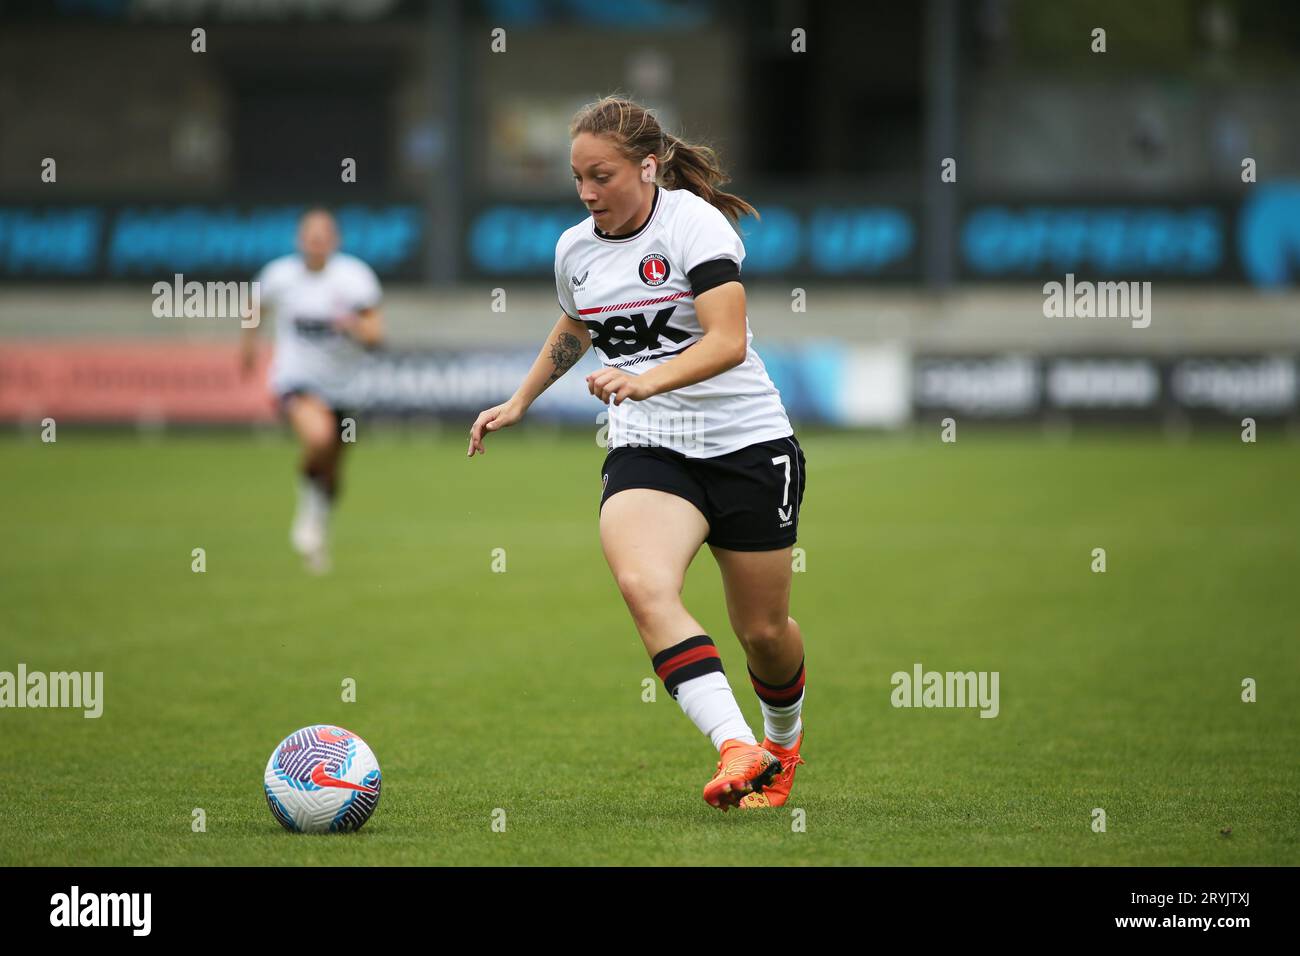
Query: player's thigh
x: 312, y: 420
x: 757, y: 588
x: 649, y: 538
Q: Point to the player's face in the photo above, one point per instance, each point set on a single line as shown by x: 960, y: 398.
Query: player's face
x: 609, y: 184
x: 318, y: 238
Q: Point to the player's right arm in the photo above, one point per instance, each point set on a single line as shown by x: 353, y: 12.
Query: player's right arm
x: 264, y: 288
x: 567, y: 343
x: 248, y: 340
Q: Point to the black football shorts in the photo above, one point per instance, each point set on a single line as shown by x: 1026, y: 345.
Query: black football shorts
x: 339, y: 413
x: 750, y: 497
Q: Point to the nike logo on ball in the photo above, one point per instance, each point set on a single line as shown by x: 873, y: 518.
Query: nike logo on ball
x: 322, y: 779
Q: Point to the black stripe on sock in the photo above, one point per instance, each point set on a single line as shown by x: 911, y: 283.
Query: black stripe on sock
x: 710, y: 665
x: 788, y: 684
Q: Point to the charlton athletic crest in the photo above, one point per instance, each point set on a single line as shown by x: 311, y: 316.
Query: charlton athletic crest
x: 655, y: 269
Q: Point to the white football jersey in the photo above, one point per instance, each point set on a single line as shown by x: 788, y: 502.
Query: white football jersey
x: 309, y: 352
x: 634, y: 295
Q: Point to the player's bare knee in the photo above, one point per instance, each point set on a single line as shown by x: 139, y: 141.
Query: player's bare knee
x: 764, y: 636
x: 645, y: 593
x: 636, y: 586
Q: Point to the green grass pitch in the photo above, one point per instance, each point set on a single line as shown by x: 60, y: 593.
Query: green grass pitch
x: 522, y: 690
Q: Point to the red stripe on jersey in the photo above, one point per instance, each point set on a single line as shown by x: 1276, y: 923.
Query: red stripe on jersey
x: 686, y: 657
x: 640, y: 304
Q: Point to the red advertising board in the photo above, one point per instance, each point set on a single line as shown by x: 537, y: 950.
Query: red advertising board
x: 131, y: 382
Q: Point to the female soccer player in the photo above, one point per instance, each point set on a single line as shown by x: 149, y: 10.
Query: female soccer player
x: 327, y: 309
x: 701, y: 450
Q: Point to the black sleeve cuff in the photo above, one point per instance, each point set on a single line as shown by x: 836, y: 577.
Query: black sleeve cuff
x: 711, y: 274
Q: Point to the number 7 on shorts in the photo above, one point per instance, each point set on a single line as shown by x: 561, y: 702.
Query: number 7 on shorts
x: 784, y: 511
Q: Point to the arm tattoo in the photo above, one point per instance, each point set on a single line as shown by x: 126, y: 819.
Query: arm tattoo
x: 564, y: 353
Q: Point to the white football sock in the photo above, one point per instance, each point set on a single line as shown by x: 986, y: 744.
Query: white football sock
x: 782, y: 725
x: 318, y: 503
x: 712, y: 707
x: 310, y: 523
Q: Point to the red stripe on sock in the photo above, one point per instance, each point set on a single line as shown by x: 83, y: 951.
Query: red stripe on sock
x: 684, y: 658
x: 778, y: 698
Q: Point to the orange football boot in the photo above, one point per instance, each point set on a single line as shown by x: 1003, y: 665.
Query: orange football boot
x: 744, y: 769
x: 777, y: 792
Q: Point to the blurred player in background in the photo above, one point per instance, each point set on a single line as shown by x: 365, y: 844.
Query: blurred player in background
x: 701, y: 449
x: 326, y: 309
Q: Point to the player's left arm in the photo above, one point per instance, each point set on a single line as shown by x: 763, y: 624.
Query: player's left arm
x: 365, y: 323
x: 721, y: 314
x: 366, y: 326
